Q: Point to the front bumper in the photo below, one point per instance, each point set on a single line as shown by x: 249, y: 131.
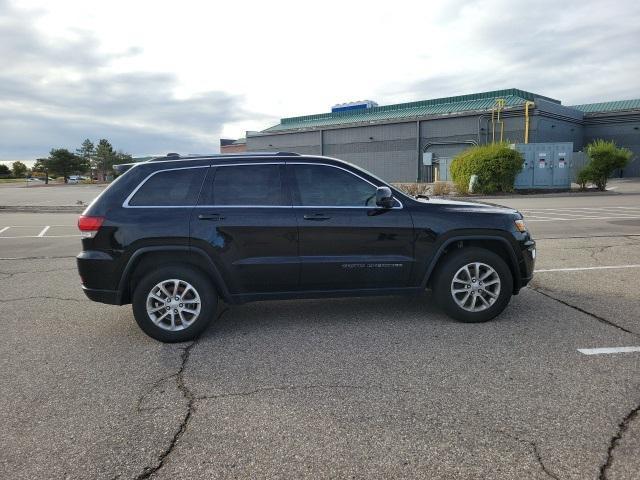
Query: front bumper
x: 528, y: 262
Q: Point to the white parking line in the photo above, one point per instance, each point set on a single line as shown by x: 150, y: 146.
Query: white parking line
x: 4, y: 229
x: 584, y: 213
x: 600, y: 351
x: 38, y: 236
x: 44, y: 230
x: 579, y: 218
x: 36, y: 226
x: 577, y: 269
x: 577, y: 208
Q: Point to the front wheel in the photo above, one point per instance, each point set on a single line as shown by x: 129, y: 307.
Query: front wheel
x: 473, y: 285
x: 174, y: 303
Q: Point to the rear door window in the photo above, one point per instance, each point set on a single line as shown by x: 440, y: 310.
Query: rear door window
x: 170, y: 188
x: 246, y: 186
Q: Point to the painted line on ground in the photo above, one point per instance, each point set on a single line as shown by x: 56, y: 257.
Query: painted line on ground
x: 579, y: 214
x: 575, y: 208
x: 38, y: 236
x: 40, y: 226
x: 577, y: 269
x: 580, y: 218
x: 44, y: 230
x: 600, y: 351
x: 4, y: 229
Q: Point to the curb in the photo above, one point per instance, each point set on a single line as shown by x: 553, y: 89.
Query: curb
x: 42, y: 208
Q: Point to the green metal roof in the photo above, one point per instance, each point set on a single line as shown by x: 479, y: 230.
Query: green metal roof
x: 609, y: 106
x: 436, y: 106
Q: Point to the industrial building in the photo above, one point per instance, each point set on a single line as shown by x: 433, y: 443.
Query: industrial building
x: 407, y: 141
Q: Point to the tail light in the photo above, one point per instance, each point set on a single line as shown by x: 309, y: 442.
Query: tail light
x: 89, y: 225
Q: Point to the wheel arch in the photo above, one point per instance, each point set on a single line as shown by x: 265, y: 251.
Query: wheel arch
x: 494, y: 243
x: 145, y: 258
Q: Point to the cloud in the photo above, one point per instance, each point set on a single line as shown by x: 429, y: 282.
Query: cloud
x: 56, y: 92
x: 576, y: 51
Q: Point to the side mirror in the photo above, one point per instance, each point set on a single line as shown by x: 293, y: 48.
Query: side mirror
x: 384, y: 197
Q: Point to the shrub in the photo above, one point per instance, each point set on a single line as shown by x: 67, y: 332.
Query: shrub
x: 604, y: 158
x: 495, y: 164
x: 413, y: 189
x: 584, y: 177
x: 442, y: 188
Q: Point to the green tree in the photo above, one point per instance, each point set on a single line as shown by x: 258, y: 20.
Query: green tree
x: 63, y: 162
x: 105, y: 157
x: 40, y: 166
x: 496, y: 166
x: 123, y: 157
x: 4, y: 170
x: 18, y: 169
x: 604, y: 158
x: 87, y: 152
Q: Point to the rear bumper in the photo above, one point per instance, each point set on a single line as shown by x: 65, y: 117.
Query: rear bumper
x: 112, y: 297
x: 97, y: 272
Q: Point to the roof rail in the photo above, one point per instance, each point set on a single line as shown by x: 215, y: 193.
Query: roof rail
x: 176, y: 156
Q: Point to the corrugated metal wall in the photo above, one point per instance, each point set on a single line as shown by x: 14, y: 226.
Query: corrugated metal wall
x: 391, y: 151
x: 388, y: 151
x: 306, y: 143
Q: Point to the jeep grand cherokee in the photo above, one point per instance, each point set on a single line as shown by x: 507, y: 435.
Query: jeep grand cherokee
x: 174, y: 235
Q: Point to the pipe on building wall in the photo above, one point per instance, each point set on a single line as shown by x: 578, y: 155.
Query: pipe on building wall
x: 527, y: 104
x: 493, y: 125
x: 500, y: 103
x: 418, y: 149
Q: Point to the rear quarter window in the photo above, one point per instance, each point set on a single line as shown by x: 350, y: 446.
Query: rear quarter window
x: 170, y: 188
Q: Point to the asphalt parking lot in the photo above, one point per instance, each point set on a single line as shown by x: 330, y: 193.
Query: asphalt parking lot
x: 350, y: 388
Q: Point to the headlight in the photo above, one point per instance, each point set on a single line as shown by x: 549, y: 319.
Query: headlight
x: 520, y: 226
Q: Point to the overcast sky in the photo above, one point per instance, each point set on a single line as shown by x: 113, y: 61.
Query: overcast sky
x: 154, y: 76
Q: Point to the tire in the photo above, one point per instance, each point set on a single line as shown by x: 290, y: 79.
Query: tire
x: 194, y: 312
x: 492, y: 298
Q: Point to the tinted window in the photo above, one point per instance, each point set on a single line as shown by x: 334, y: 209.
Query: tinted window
x: 320, y: 185
x: 250, y: 185
x: 170, y: 188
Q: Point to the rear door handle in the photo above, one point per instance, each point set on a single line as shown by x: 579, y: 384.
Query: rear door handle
x: 316, y: 217
x: 210, y: 216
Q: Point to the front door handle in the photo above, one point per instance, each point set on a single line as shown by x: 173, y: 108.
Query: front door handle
x: 316, y: 217
x: 210, y: 216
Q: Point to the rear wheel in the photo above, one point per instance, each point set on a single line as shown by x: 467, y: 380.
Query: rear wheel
x: 174, y: 303
x: 473, y: 285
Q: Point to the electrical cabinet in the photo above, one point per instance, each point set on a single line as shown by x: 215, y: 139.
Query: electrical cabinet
x: 545, y: 165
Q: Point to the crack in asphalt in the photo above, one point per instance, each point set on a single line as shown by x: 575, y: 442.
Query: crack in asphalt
x: 45, y: 297
x: 284, y: 388
x: 536, y: 453
x: 188, y: 396
x: 11, y: 274
x: 615, y: 440
x: 582, y: 310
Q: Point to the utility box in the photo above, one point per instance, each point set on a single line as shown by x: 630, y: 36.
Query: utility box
x: 545, y: 165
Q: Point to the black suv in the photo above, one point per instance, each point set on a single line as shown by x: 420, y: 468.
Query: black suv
x: 173, y: 235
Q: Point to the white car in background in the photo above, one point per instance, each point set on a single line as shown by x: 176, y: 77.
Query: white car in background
x: 75, y: 178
